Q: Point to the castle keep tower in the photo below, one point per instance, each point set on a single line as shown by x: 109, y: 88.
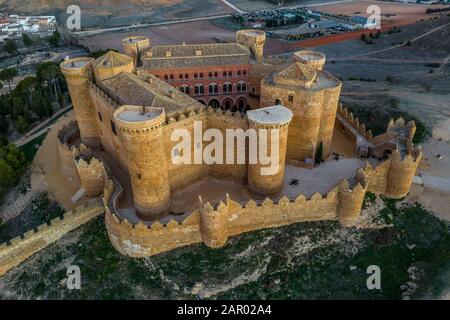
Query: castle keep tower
x: 78, y: 73
x: 254, y: 40
x: 271, y: 118
x: 133, y: 46
x: 142, y: 136
x: 312, y: 95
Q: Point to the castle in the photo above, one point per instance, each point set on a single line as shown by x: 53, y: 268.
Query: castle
x: 127, y: 107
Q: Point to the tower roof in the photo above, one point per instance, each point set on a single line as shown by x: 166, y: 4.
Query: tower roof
x: 112, y: 59
x: 297, y: 71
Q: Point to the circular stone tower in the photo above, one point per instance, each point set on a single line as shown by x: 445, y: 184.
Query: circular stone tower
x: 78, y: 73
x: 142, y: 137
x: 266, y: 177
x: 253, y: 39
x: 314, y: 59
x: 133, y: 46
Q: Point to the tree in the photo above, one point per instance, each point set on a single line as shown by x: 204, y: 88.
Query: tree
x: 61, y: 100
x: 8, y: 75
x: 55, y: 38
x: 26, y: 87
x: 15, y: 157
x: 22, y: 124
x: 10, y: 46
x: 7, y: 175
x: 4, y: 126
x: 50, y: 73
x: 319, y: 153
x: 27, y: 40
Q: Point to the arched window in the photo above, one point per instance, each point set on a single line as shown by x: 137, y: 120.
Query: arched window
x: 244, y: 72
x: 186, y: 76
x: 171, y: 77
x: 242, y: 87
x: 213, y: 89
x: 180, y: 76
x: 210, y: 75
x: 230, y: 73
x: 195, y: 75
x: 198, y: 89
x: 227, y: 88
x: 185, y: 89
x: 166, y: 77
x: 239, y: 72
x: 224, y: 74
x: 216, y: 75
x: 200, y: 75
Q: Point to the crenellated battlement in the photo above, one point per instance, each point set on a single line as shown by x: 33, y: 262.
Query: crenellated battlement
x: 21, y: 247
x: 91, y: 171
x: 354, y: 122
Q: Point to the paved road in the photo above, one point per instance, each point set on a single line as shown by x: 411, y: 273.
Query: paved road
x: 97, y: 31
x: 436, y: 183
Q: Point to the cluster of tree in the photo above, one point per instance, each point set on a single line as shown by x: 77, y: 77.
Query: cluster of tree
x: 435, y: 10
x: 32, y: 98
x: 55, y: 38
x: 12, y: 164
x: 369, y: 38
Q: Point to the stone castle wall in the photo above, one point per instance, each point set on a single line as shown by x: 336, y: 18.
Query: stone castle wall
x: 356, y: 131
x: 213, y: 225
x: 22, y: 247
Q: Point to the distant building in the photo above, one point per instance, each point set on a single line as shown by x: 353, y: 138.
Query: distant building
x: 363, y: 22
